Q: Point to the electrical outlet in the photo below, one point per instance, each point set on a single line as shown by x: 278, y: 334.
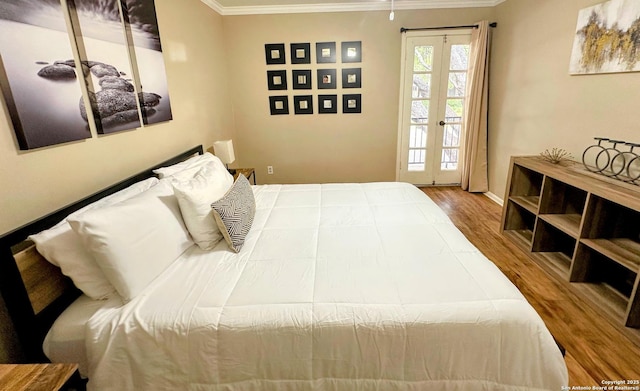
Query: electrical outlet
x: 269, y: 170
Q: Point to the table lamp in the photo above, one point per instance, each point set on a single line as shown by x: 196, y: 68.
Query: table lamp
x: 224, y: 151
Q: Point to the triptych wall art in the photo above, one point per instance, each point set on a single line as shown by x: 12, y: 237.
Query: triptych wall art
x: 607, y: 38
x: 301, y: 76
x: 121, y: 66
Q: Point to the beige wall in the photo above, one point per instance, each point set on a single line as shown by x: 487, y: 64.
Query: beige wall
x: 324, y: 147
x: 37, y: 182
x: 535, y: 103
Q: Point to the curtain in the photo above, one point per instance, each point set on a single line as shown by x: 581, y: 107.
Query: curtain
x: 474, y: 164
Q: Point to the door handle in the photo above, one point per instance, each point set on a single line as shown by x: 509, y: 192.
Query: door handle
x: 442, y: 123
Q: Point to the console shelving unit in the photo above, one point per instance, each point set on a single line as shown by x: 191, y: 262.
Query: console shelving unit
x: 583, y: 229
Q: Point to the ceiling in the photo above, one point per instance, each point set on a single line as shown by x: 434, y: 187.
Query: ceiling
x: 248, y: 7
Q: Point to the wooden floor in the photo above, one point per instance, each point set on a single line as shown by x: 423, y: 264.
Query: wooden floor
x: 596, y: 351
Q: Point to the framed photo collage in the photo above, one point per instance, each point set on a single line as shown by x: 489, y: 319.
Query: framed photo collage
x: 324, y: 78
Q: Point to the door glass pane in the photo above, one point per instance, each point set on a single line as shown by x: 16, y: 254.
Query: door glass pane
x: 457, y: 84
x: 451, y: 135
x: 418, y: 137
x: 420, y: 111
x: 459, y: 57
x: 454, y: 110
x: 416, y: 159
x: 449, y: 159
x: 423, y: 58
x: 421, y: 86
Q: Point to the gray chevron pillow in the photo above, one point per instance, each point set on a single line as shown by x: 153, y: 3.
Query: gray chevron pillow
x: 234, y: 213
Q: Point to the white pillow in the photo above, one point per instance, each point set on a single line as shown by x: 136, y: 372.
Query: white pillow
x: 186, y: 169
x: 195, y: 197
x: 135, y: 240
x: 61, y: 246
x: 124, y: 194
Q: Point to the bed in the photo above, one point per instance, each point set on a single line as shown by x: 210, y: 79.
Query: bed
x: 334, y: 287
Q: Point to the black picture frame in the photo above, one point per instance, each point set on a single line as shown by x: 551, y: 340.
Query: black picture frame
x: 326, y: 79
x: 325, y: 52
x: 301, y: 53
x: 351, y: 51
x: 274, y: 53
x: 351, y: 103
x: 327, y: 104
x: 277, y: 80
x: 351, y: 78
x: 279, y: 105
x: 303, y: 104
x: 301, y: 79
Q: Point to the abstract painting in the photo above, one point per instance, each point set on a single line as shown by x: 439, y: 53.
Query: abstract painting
x: 607, y: 38
x: 38, y: 75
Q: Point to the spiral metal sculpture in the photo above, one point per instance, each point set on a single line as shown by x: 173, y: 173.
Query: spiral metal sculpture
x: 607, y: 157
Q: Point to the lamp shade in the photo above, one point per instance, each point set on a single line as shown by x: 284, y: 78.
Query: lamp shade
x: 224, y: 151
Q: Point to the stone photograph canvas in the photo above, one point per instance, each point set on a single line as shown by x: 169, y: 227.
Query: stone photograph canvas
x: 607, y: 38
x: 119, y: 46
x: 120, y: 62
x: 39, y: 79
x: 146, y: 52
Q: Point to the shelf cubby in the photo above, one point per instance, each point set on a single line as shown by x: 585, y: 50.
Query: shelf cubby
x: 562, y: 206
x: 614, y: 230
x: 557, y: 246
x: 615, y: 283
x: 561, y: 198
x: 526, y: 183
x: 520, y: 222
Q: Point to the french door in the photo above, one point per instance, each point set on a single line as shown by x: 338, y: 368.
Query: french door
x: 434, y: 78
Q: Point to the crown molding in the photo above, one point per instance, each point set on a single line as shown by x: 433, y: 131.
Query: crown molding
x: 348, y: 7
x: 214, y: 5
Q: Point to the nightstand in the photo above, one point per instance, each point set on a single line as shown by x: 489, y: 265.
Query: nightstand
x: 39, y: 377
x: 247, y: 172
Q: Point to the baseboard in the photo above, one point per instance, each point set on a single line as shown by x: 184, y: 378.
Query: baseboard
x: 494, y: 198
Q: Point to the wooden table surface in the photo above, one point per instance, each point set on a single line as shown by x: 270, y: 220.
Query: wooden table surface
x: 247, y: 172
x: 35, y: 377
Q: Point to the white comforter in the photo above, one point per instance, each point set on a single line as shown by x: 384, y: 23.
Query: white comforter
x: 339, y: 287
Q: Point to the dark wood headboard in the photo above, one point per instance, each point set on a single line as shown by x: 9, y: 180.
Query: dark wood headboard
x: 35, y: 291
